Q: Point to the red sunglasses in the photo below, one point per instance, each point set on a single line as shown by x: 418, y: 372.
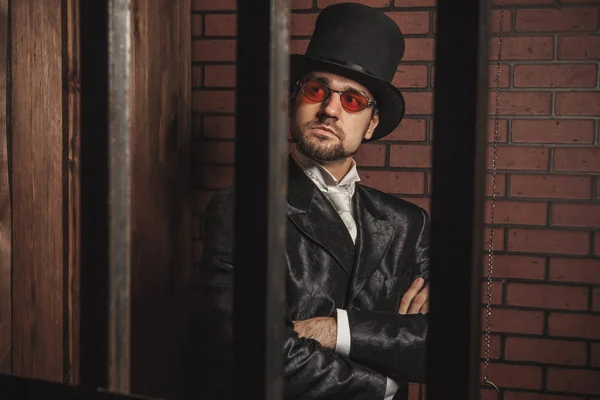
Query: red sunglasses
x: 318, y: 91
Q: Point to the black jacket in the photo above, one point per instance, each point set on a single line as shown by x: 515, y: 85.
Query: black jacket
x: 325, y: 270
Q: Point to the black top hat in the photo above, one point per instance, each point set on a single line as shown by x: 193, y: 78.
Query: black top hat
x: 362, y: 44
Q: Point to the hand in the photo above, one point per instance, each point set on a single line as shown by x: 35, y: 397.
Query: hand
x: 321, y: 329
x: 416, y: 299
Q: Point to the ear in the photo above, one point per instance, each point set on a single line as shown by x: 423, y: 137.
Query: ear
x: 372, y: 125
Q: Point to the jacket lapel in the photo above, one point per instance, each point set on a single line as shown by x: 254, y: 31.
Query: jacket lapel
x: 374, y: 237
x: 314, y: 215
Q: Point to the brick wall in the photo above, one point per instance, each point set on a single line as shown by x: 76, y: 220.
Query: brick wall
x: 546, y: 315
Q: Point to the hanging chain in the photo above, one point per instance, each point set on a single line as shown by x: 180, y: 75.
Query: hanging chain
x: 488, y: 313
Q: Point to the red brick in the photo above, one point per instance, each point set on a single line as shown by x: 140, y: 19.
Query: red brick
x: 502, y: 130
x: 550, y: 186
x: 219, y: 126
x: 504, y: 75
x: 213, y: 177
x: 523, y: 48
x: 201, y: 200
x: 411, y: 76
x: 552, y: 131
x: 371, y: 155
x: 559, y: 75
x: 516, y: 321
x: 497, y: 288
x: 545, y: 351
x: 220, y: 75
x: 397, y: 182
x: 515, y: 376
x: 547, y: 296
x: 418, y: 103
x: 413, y: 391
x: 551, y: 241
x: 372, y: 3
x: 414, y: 3
x: 498, y: 239
x: 582, y: 215
x: 298, y: 46
x: 214, y: 50
x: 494, y: 346
x: 500, y: 185
x: 572, y: 159
x: 301, y: 4
x: 196, y: 77
x: 521, y: 103
x: 213, y: 152
x: 410, y: 129
x: 196, y: 25
x: 302, y: 24
x: 412, y: 22
x: 411, y: 156
x: 419, y: 49
x: 573, y: 380
x: 578, y: 103
x: 579, y: 47
x: 597, y: 187
x: 203, y: 5
x: 595, y: 352
x: 597, y: 243
x: 513, y: 266
x: 559, y: 19
x: 213, y: 101
x: 575, y: 270
x: 520, y: 158
x: 574, y: 325
x: 536, y: 396
x: 596, y: 299
x: 495, y: 21
x: 220, y: 24
x: 517, y: 212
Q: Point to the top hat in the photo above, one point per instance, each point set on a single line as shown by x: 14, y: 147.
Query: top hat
x: 363, y: 44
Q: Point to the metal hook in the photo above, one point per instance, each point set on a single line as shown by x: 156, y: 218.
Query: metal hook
x: 487, y: 382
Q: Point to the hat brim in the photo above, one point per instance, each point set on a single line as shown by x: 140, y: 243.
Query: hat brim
x: 390, y: 101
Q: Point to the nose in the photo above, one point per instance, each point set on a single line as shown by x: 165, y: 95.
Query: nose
x: 332, y: 106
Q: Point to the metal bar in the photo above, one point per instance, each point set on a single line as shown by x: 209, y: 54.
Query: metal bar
x: 260, y: 197
x: 119, y: 113
x: 459, y: 150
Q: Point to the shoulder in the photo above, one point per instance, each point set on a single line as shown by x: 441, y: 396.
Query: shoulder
x: 394, y: 208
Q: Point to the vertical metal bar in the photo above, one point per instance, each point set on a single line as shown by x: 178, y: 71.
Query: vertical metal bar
x: 260, y: 197
x: 459, y: 150
x: 119, y: 114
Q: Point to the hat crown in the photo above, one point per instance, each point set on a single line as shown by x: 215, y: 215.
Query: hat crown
x: 360, y: 37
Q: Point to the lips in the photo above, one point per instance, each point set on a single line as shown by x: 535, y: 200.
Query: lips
x: 326, y: 129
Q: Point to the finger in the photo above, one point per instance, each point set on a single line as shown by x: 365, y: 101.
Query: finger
x: 425, y: 308
x: 410, y: 294
x: 419, y: 300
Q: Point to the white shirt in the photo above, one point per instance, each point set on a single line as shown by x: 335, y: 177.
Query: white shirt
x: 343, y: 192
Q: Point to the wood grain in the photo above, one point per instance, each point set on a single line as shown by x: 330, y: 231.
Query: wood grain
x: 5, y: 206
x: 160, y: 188
x: 38, y: 176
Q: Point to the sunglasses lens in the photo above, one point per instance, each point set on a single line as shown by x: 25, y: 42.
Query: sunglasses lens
x: 315, y: 91
x: 354, y: 101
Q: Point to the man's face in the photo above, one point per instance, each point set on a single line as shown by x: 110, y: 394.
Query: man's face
x: 325, y: 131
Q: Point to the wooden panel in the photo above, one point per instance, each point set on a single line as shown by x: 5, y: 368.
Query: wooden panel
x: 73, y: 197
x: 5, y: 214
x: 38, y: 216
x: 161, y: 230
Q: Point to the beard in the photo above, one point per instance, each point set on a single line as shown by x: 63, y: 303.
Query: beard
x: 324, y: 150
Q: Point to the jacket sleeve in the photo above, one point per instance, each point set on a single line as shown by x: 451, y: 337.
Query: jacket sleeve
x: 311, y: 371
x: 390, y: 343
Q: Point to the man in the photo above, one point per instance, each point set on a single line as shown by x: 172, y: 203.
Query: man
x: 355, y: 319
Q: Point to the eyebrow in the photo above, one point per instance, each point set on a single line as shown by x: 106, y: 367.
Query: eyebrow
x: 345, y: 87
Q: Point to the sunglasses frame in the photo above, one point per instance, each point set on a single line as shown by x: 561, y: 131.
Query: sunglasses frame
x: 370, y: 103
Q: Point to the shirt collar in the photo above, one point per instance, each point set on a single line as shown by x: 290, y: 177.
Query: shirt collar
x: 324, y: 178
